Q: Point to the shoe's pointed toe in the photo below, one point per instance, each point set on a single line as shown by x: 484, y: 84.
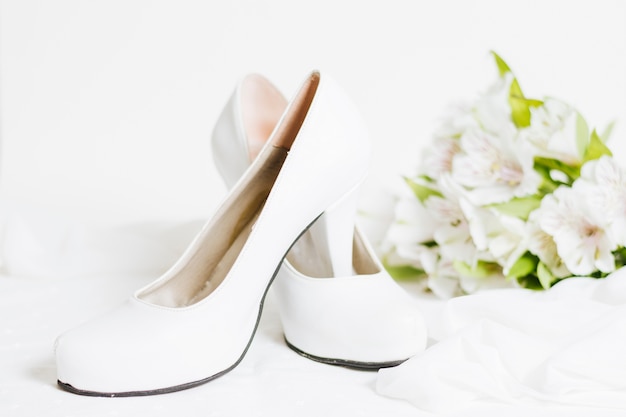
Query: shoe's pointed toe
x: 90, y: 358
x: 142, y: 349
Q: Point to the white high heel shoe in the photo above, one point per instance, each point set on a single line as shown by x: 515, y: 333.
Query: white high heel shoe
x: 196, y: 322
x: 337, y: 303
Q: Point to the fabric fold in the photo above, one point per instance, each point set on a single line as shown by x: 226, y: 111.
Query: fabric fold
x: 563, y: 346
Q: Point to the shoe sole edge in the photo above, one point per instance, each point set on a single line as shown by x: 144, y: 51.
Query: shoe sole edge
x: 346, y: 363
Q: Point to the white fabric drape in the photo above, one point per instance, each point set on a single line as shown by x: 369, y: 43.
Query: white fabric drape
x: 565, y: 346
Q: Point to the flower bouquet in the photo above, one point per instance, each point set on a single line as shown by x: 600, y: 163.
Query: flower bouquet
x: 511, y: 190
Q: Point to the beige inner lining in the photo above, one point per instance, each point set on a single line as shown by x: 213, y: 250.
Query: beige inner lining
x: 363, y: 261
x: 220, y: 244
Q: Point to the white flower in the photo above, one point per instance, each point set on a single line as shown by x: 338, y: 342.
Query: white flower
x: 471, y: 284
x: 443, y: 279
x: 457, y: 118
x: 495, y: 169
x: 579, y: 232
x: 552, y: 131
x: 413, y: 225
x: 492, y: 109
x: 603, y: 183
x: 510, y: 243
x: 451, y: 227
x: 498, y: 237
x: 542, y: 245
x: 452, y: 231
x: 437, y: 159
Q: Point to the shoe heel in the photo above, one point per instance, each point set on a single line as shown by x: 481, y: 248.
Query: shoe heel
x: 334, y: 232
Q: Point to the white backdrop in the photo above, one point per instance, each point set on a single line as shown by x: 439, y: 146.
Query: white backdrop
x: 107, y: 106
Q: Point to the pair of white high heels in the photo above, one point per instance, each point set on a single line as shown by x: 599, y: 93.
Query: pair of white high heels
x: 290, y: 215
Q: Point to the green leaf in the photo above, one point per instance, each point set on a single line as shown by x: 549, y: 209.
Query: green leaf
x: 503, y: 68
x: 545, y: 276
x: 606, y: 135
x: 531, y: 102
x: 547, y: 186
x: 620, y: 257
x: 520, y: 207
x: 596, y: 148
x: 582, y: 135
x: 547, y: 183
x: 515, y: 90
x: 525, y: 265
x: 530, y: 281
x: 482, y: 269
x: 422, y: 192
x: 520, y: 105
x: 404, y: 272
x: 544, y: 165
